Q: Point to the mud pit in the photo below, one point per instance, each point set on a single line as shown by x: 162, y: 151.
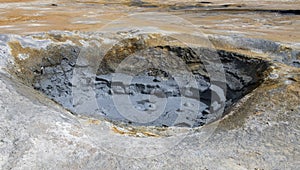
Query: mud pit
x: 142, y: 85
x: 261, y: 130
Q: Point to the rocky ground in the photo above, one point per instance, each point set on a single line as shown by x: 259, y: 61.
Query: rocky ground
x: 258, y: 44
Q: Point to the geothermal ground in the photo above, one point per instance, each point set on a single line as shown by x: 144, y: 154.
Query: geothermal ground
x: 147, y: 84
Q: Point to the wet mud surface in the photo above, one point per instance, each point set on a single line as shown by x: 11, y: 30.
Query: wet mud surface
x: 151, y: 87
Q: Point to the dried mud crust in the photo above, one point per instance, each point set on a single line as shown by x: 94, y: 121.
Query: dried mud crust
x: 51, y: 72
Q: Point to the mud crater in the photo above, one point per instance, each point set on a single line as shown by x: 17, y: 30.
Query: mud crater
x: 53, y: 74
